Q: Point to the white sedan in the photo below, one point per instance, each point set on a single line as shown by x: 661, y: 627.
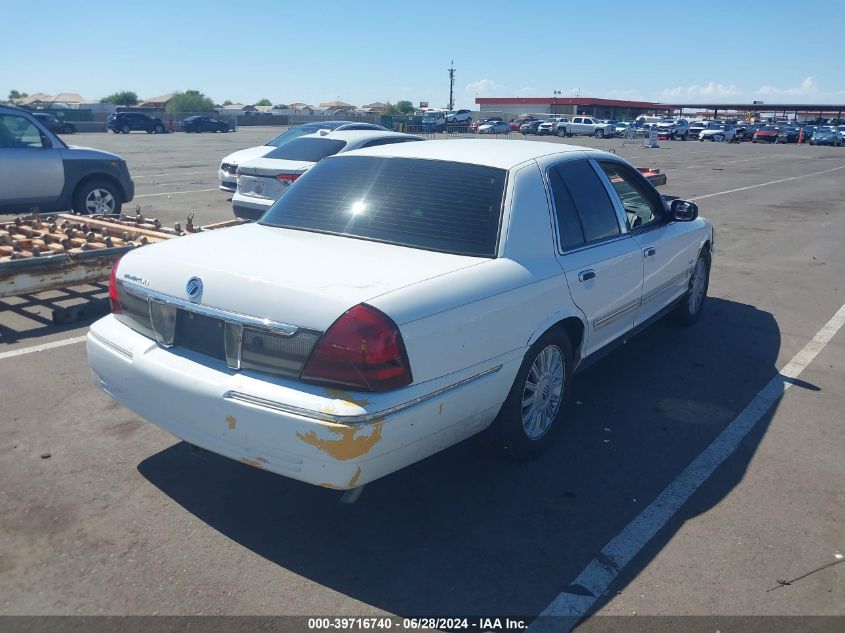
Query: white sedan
x: 494, y: 127
x: 397, y: 300
x: 262, y: 180
x: 718, y: 132
x: 227, y: 172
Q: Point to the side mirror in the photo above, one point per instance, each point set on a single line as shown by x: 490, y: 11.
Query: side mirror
x: 683, y: 210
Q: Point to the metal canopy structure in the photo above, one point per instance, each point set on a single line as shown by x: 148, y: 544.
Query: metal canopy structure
x: 819, y: 109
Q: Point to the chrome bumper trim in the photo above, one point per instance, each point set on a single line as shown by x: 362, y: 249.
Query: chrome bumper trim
x: 283, y: 329
x: 112, y: 346
x: 275, y: 406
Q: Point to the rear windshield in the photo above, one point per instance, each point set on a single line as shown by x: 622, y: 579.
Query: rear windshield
x: 434, y: 205
x: 301, y: 130
x: 307, y: 149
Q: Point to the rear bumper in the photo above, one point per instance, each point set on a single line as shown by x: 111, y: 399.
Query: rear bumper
x: 274, y: 424
x: 250, y: 208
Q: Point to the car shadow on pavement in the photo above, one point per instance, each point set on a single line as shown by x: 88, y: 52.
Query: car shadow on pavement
x: 464, y: 532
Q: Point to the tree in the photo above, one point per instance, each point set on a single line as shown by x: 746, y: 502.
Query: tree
x: 227, y: 102
x: 405, y: 107
x: 281, y: 106
x: 14, y: 95
x: 189, y: 101
x: 400, y: 107
x: 122, y: 98
x: 263, y: 102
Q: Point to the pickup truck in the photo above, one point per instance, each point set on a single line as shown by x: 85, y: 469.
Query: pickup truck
x: 586, y: 126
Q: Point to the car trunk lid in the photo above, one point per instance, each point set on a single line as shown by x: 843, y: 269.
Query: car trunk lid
x: 290, y: 276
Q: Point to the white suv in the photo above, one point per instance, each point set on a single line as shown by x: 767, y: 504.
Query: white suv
x: 458, y: 117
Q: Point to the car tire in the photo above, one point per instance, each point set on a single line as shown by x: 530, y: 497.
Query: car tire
x: 547, y: 366
x: 96, y: 196
x: 692, y: 303
x: 672, y: 136
x: 598, y: 134
x: 125, y: 129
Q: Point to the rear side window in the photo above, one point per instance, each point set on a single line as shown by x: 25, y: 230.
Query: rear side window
x: 595, y: 210
x: 307, y: 149
x: 569, y: 228
x: 434, y: 205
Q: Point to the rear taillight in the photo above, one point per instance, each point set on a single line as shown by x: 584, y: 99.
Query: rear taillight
x: 362, y: 350
x: 113, y: 298
x: 288, y: 178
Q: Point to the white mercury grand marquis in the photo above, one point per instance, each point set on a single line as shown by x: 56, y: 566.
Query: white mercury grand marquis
x: 396, y: 300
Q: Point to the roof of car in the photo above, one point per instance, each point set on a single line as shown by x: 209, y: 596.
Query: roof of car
x: 504, y: 154
x: 355, y: 135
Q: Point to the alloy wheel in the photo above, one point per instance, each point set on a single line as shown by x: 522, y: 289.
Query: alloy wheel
x: 543, y: 392
x: 99, y: 201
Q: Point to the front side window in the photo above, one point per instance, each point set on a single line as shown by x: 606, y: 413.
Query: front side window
x: 642, y: 208
x: 17, y: 131
x: 429, y: 204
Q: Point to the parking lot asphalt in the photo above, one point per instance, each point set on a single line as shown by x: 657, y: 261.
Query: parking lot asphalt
x: 101, y: 512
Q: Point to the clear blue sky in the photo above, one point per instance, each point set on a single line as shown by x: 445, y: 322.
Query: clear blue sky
x: 777, y: 51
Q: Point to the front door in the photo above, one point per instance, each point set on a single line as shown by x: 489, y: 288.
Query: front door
x: 668, y: 249
x: 31, y: 170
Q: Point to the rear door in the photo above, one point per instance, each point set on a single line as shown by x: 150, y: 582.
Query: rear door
x: 31, y: 170
x: 601, y: 260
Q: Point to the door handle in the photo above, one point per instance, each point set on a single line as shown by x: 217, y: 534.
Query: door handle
x: 649, y: 252
x: 586, y: 275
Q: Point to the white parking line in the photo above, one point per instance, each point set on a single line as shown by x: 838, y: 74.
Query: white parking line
x: 174, y: 193
x: 42, y: 347
x: 175, y: 173
x: 765, y: 184
x: 597, y: 577
x: 743, y: 160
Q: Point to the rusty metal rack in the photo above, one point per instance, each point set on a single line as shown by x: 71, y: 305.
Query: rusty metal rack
x: 39, y: 254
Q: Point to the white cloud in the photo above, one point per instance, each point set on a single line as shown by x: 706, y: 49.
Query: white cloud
x: 483, y: 87
x: 527, y: 91
x: 626, y: 95
x: 806, y: 87
x: 711, y: 89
